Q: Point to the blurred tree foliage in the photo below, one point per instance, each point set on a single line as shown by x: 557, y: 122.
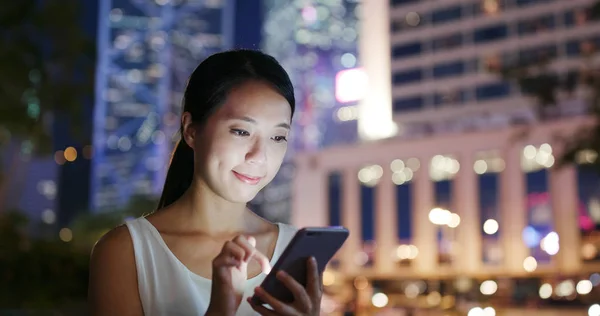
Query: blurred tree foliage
x: 536, y: 79
x: 40, y: 271
x: 46, y: 67
x: 46, y: 71
x: 88, y: 227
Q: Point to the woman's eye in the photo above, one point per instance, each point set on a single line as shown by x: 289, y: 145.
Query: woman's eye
x: 280, y: 139
x: 239, y: 132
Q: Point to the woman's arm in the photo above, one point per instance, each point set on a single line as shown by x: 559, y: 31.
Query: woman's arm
x: 113, y: 288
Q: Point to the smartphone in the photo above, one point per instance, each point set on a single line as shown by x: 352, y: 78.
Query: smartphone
x: 319, y: 242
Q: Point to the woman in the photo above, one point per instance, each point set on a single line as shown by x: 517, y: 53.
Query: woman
x: 203, y: 252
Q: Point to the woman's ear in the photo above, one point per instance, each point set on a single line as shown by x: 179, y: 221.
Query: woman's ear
x: 189, y: 130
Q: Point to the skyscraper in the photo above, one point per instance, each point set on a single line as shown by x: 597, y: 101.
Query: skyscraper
x: 314, y: 41
x: 147, y: 50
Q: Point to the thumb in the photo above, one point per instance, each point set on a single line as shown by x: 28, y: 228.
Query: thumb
x: 252, y: 241
x: 259, y: 257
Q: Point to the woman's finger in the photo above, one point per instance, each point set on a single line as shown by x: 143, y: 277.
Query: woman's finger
x: 226, y: 261
x: 232, y: 249
x: 252, y: 253
x: 314, y: 285
x: 278, y: 306
x: 260, y: 309
x: 301, y: 297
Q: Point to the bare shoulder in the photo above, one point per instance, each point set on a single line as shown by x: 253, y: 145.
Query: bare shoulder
x: 113, y: 285
x: 115, y: 242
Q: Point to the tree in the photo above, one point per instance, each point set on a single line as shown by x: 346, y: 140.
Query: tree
x: 38, y: 273
x: 46, y: 71
x: 43, y: 272
x: 538, y: 81
x: 88, y: 227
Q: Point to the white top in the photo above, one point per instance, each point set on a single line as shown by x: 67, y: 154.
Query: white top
x: 168, y: 287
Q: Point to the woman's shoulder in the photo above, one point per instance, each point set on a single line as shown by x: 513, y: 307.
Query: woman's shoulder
x: 113, y: 245
x: 113, y: 278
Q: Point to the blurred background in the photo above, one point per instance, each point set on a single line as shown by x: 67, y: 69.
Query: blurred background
x: 457, y: 139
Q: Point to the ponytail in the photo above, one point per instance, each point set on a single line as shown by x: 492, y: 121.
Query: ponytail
x: 179, y: 176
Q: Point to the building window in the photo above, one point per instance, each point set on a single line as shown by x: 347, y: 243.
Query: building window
x: 538, y: 53
x: 397, y: 26
x: 495, y: 62
x: 447, y: 42
x: 406, y: 50
x: 409, y: 103
x: 573, y: 48
x: 589, y: 205
x: 490, y: 33
x: 487, y: 7
x: 407, y: 76
x: 540, y: 222
x: 577, y: 17
x: 455, y: 96
x: 490, y: 217
x: 492, y: 91
x: 578, y: 47
x: 487, y: 166
x: 367, y: 202
x: 335, y: 198
x: 448, y: 69
x: 522, y: 3
x: 402, y: 2
x: 410, y: 21
x: 404, y: 208
x: 536, y: 25
x: 445, y: 234
x: 446, y: 15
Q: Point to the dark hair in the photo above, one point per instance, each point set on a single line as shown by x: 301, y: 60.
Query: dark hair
x: 206, y: 90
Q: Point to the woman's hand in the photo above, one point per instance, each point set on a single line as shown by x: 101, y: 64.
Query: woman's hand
x: 229, y: 274
x: 307, y: 301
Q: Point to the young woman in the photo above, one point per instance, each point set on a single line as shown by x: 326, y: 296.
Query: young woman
x: 203, y: 252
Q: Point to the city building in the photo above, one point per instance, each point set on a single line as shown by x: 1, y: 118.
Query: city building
x: 146, y: 50
x: 315, y: 41
x: 455, y: 175
x: 31, y: 183
x: 442, y: 53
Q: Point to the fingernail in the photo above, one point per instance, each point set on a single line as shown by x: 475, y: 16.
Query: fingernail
x: 266, y: 270
x: 313, y: 259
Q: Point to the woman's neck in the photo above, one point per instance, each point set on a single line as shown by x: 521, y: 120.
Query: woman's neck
x: 201, y: 210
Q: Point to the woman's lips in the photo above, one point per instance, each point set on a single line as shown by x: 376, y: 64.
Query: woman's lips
x: 247, y: 179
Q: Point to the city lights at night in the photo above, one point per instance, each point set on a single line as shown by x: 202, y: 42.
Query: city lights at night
x: 457, y: 141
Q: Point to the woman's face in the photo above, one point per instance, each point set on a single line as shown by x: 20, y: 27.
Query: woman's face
x: 242, y: 145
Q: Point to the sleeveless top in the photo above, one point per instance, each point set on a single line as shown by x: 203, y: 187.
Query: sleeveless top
x: 168, y: 287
